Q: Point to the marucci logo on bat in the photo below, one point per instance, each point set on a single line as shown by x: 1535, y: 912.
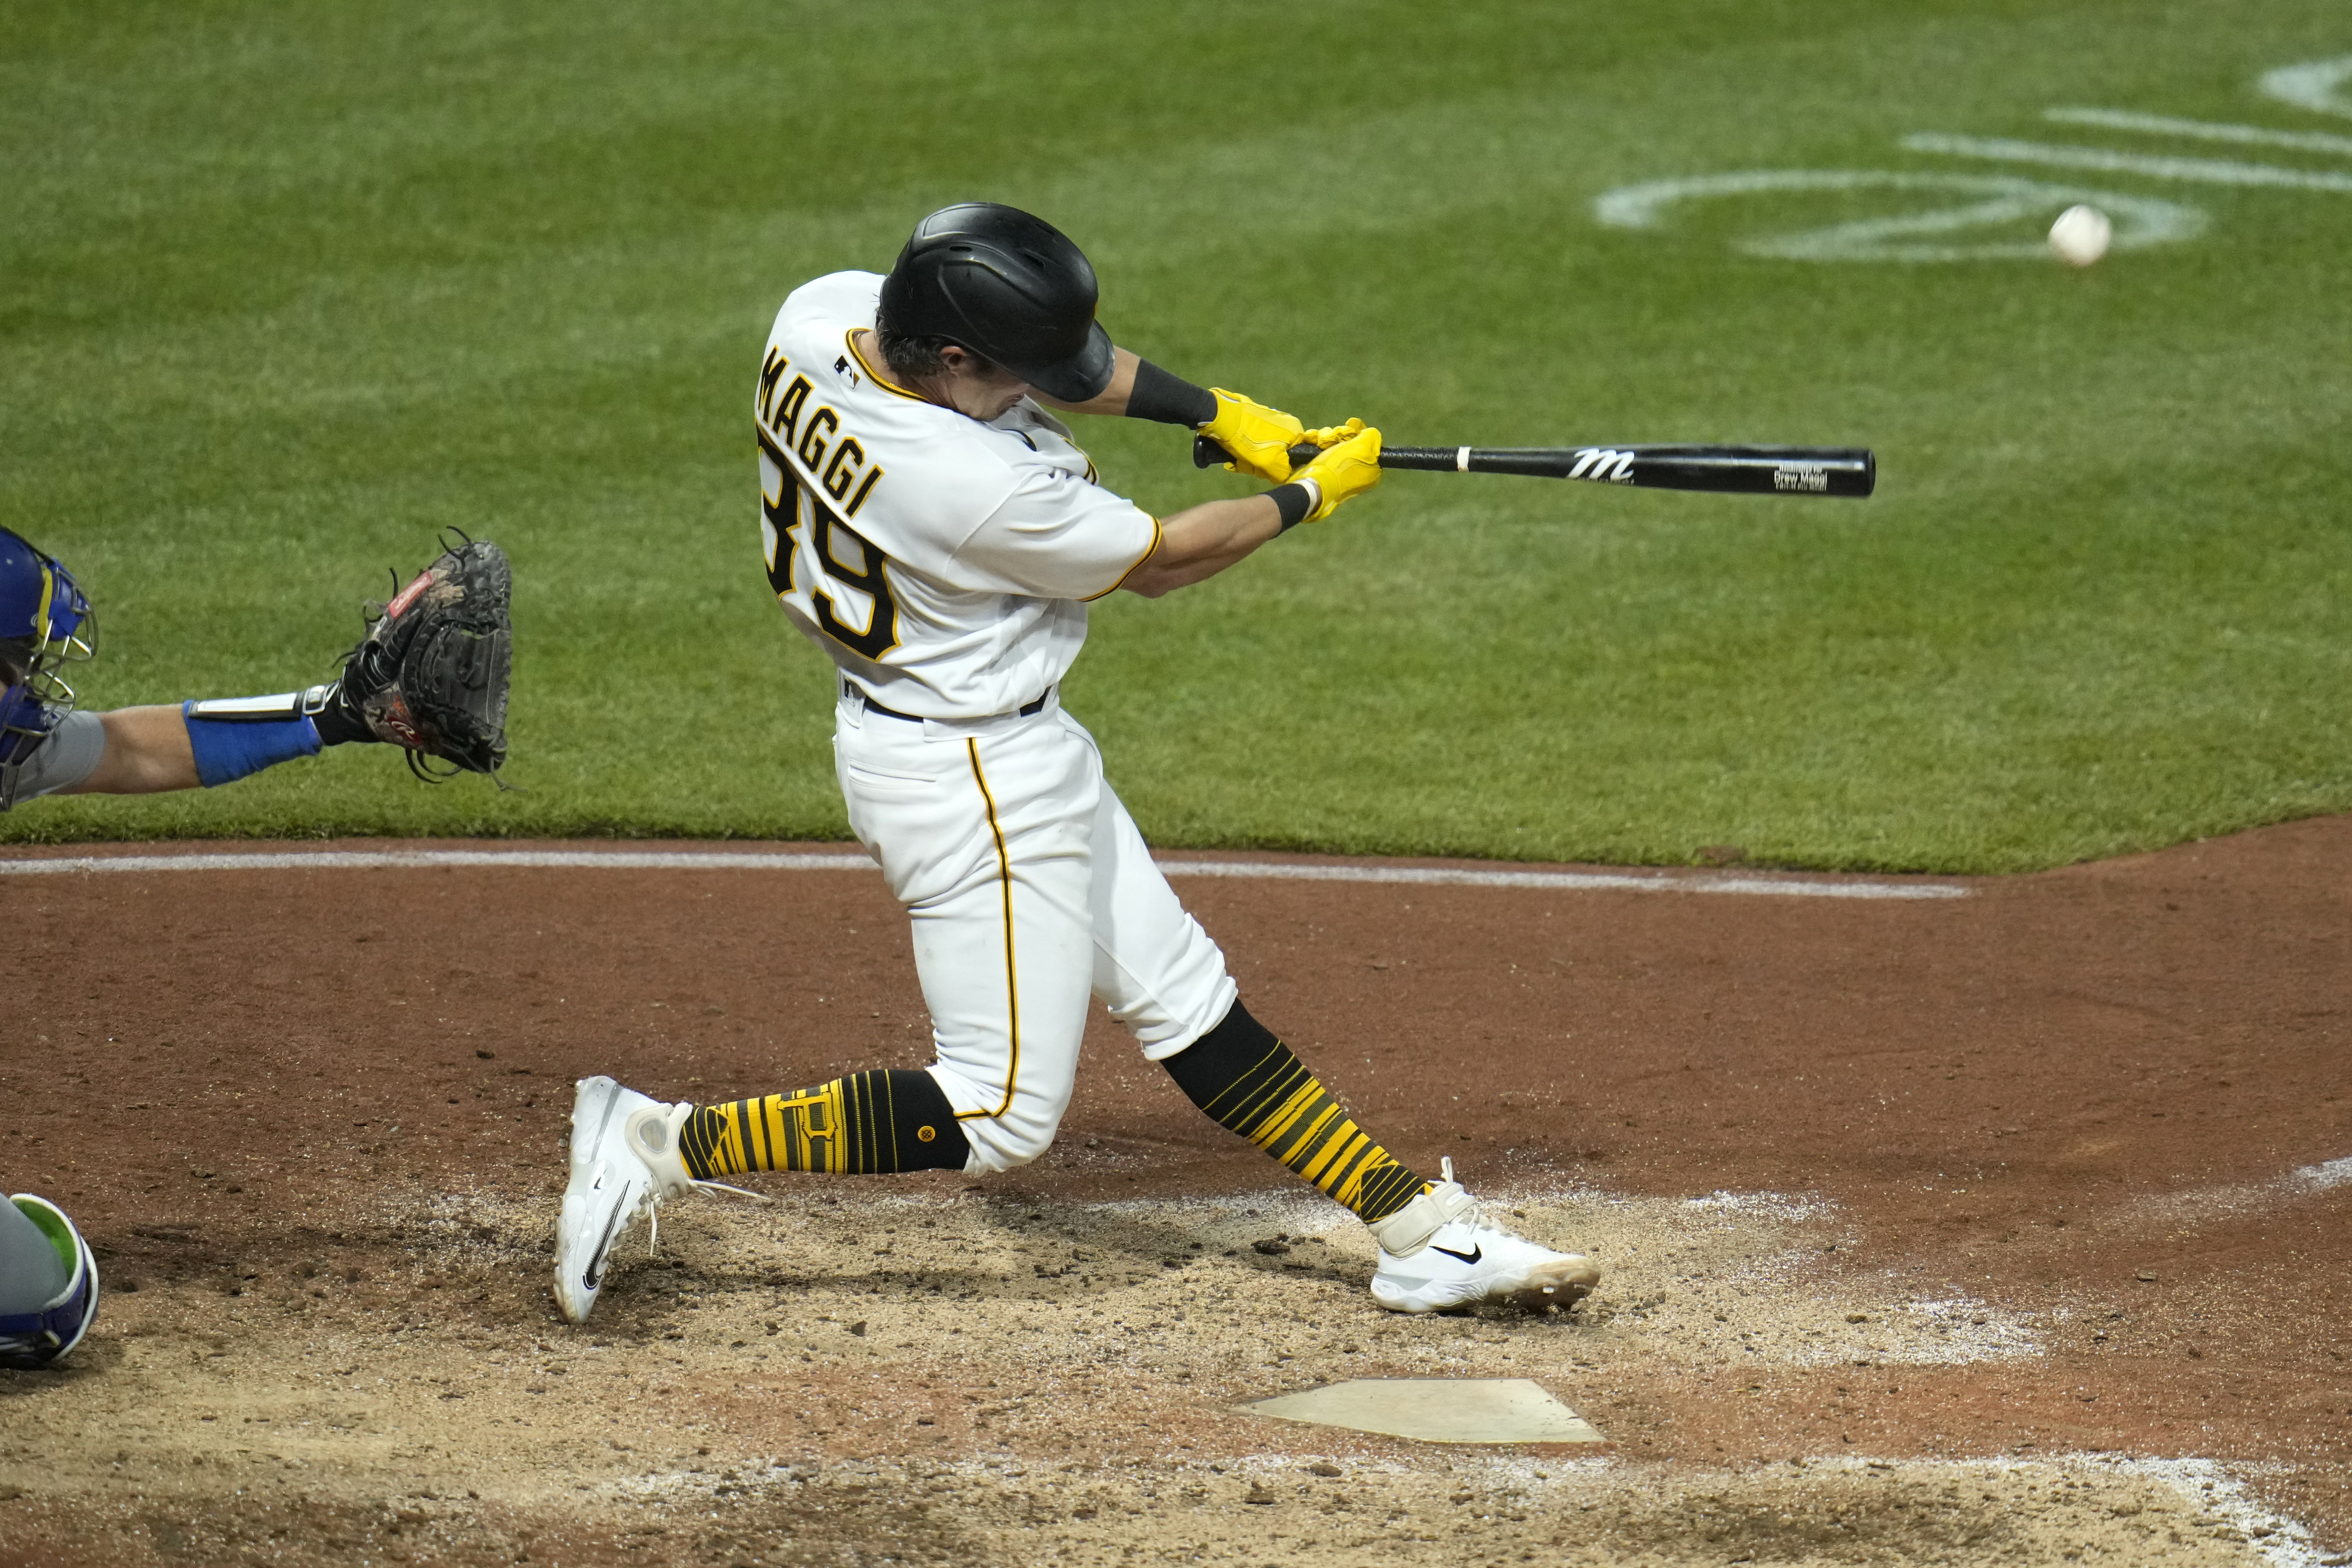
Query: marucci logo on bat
x: 1603, y: 463
x: 1801, y: 477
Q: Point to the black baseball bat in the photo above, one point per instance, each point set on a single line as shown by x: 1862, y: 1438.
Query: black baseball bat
x: 1741, y: 470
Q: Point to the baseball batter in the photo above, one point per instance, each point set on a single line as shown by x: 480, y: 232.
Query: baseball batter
x: 938, y: 532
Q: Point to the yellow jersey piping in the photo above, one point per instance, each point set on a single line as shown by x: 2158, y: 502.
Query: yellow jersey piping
x: 1012, y: 982
x: 1156, y: 533
x: 884, y: 381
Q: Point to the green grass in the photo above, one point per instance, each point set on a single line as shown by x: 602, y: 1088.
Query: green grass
x: 288, y: 288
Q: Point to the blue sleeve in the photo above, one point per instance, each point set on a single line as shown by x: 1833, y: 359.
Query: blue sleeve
x: 228, y: 748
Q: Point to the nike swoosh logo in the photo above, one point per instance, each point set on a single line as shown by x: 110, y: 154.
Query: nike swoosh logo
x: 592, y: 1276
x: 1473, y: 1256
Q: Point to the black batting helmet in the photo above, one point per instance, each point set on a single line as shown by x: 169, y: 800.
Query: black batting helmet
x: 1008, y: 286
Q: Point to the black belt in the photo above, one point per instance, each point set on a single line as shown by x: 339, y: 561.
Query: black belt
x: 850, y: 688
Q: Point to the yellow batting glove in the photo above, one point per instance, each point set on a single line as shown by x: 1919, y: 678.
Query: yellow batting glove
x: 1344, y: 469
x: 1258, y: 438
x: 1332, y: 434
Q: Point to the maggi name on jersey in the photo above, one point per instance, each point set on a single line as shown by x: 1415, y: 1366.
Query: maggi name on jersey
x: 835, y: 460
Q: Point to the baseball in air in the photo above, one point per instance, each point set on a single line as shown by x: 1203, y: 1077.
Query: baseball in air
x: 2080, y: 236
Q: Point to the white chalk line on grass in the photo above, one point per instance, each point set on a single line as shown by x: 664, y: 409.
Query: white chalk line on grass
x: 2204, y: 171
x: 2322, y: 86
x: 395, y: 859
x: 2316, y: 85
x: 693, y: 861
x: 1914, y: 237
x: 1571, y: 882
x: 2203, y: 130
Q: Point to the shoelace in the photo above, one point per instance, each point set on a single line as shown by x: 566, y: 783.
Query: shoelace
x: 1474, y: 1216
x: 654, y: 1202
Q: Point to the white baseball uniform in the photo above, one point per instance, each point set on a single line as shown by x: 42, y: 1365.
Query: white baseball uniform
x: 944, y: 564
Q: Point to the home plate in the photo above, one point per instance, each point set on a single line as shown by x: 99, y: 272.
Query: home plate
x: 1437, y: 1410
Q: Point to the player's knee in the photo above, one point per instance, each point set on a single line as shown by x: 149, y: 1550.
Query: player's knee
x: 990, y: 1156
x: 1022, y: 1133
x: 1003, y: 1143
x: 1005, y: 1131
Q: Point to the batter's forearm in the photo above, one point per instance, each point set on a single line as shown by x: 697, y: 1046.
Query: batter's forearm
x: 1203, y: 541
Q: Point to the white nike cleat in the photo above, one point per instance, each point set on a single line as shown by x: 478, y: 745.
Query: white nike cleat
x: 624, y: 1160
x: 1439, y: 1252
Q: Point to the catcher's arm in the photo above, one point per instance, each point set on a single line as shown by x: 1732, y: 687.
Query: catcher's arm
x: 147, y: 750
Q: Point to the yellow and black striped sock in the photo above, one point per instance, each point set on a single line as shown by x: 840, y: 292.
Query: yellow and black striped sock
x: 862, y: 1125
x: 1252, y: 1084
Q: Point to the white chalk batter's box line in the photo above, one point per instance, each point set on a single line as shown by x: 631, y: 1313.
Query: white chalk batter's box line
x: 692, y: 860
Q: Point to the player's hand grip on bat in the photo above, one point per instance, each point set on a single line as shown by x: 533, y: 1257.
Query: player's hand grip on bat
x: 1257, y: 438
x: 1211, y: 450
x: 1344, y: 469
x: 1330, y: 436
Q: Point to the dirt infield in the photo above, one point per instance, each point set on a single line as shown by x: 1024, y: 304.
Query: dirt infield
x: 2010, y: 1226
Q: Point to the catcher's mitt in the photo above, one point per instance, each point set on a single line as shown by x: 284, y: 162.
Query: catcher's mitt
x: 431, y: 675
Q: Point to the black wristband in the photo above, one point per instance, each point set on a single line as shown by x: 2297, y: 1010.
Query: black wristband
x: 1169, y: 399
x: 338, y: 725
x: 1296, y: 502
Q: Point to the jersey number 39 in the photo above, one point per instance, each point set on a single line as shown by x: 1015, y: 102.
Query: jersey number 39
x: 844, y: 560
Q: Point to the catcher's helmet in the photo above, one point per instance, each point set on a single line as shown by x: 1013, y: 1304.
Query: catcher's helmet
x: 45, y: 621
x: 44, y: 617
x: 35, y: 1338
x: 1008, y: 286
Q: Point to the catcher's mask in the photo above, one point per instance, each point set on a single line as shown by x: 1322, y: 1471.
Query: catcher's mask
x: 25, y: 722
x: 45, y: 618
x: 1008, y: 286
x: 32, y: 1340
